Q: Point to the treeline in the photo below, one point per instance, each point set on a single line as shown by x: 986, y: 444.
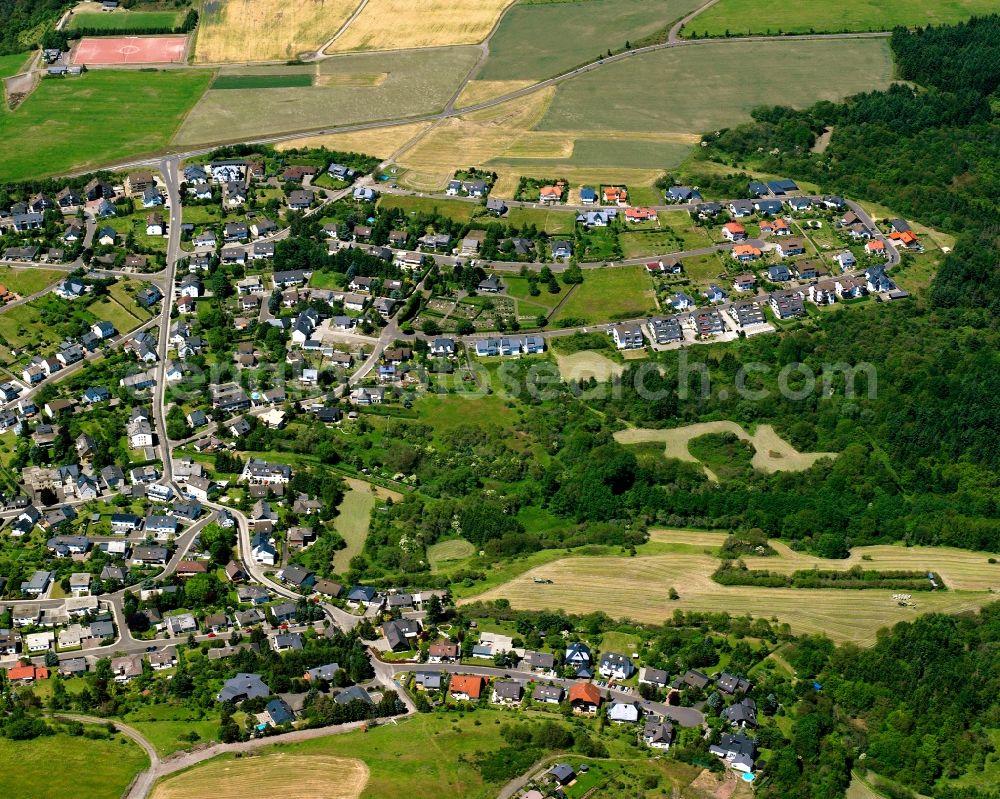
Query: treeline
x: 23, y: 21
x: 730, y: 573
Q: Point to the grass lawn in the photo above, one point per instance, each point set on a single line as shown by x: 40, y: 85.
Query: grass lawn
x: 694, y: 91
x: 705, y: 268
x: 549, y: 220
x: 742, y: 17
x: 620, y: 292
x: 449, y: 553
x: 109, y: 309
x: 538, y: 40
x: 80, y: 128
x: 125, y: 20
x: 13, y: 64
x: 447, y: 412
x: 201, y: 214
x: 622, y: 643
x: 63, y: 765
x: 21, y: 326
x: 353, y: 516
x: 326, y: 280
x: 458, y: 210
x: 517, y: 287
x: 28, y: 281
x: 163, y: 725
x: 136, y: 224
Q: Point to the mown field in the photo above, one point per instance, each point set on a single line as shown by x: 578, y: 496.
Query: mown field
x: 63, y: 765
x: 698, y: 88
x: 13, y: 64
x: 28, y: 281
x: 353, y: 517
x: 450, y: 552
x: 266, y: 30
x: 579, y: 584
x: 742, y: 17
x: 261, y: 81
x: 380, y: 142
x: 349, y: 89
x: 612, y: 293
x: 400, y: 24
x: 125, y: 20
x: 538, y: 40
x: 98, y: 118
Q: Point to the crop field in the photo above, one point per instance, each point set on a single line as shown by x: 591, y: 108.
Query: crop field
x: 380, y: 142
x: 477, y: 91
x: 79, y: 129
x: 63, y: 765
x: 27, y: 281
x: 586, y: 364
x: 621, y: 292
x: 401, y: 24
x: 539, y: 40
x: 261, y: 81
x: 581, y: 583
x: 416, y: 82
x: 268, y: 775
x: 695, y: 92
x: 447, y: 553
x: 773, y: 453
x: 741, y: 17
x: 266, y: 30
x: 125, y: 20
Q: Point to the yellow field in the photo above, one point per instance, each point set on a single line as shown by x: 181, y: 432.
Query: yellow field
x: 269, y: 775
x: 268, y: 30
x: 585, y: 365
x: 379, y: 142
x: 773, y: 453
x: 400, y: 24
x: 584, y: 584
x: 477, y: 91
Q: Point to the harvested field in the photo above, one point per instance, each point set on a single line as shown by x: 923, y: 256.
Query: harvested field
x: 269, y: 775
x: 380, y: 142
x: 478, y: 91
x: 586, y: 364
x: 400, y: 24
x: 773, y: 453
x: 418, y: 82
x: 694, y: 90
x: 579, y: 584
x: 267, y: 30
x: 449, y: 552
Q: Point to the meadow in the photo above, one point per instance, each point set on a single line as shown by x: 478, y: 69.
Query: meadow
x: 742, y: 17
x: 412, y: 83
x: 27, y: 281
x: 579, y: 584
x: 445, y: 553
x: 64, y: 765
x: 353, y: 516
x: 695, y: 90
x: 101, y: 117
x: 125, y: 21
x: 459, y: 210
x: 266, y: 30
x: 13, y: 64
x: 608, y: 294
x: 539, y: 40
x: 401, y: 24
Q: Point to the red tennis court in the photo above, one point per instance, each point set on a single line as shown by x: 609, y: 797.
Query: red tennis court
x: 130, y: 50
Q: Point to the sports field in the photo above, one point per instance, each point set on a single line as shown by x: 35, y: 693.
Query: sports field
x: 539, y: 40
x: 266, y: 30
x: 698, y: 89
x: 741, y: 17
x: 98, y: 118
x: 64, y: 765
x: 125, y: 20
x: 581, y: 583
x: 410, y: 83
x: 401, y: 24
x: 269, y: 775
x: 773, y: 453
x: 112, y: 50
x: 621, y: 292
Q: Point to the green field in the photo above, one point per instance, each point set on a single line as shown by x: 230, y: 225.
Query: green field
x: 697, y: 89
x: 614, y: 153
x: 123, y: 318
x: 100, y: 117
x: 519, y: 288
x: 163, y: 725
x: 13, y: 64
x: 545, y: 39
x: 620, y: 292
x: 449, y: 553
x: 458, y: 210
x: 741, y: 17
x: 551, y: 221
x: 63, y: 765
x: 126, y: 20
x: 353, y: 516
x: 358, y: 87
x: 261, y: 81
x: 28, y: 281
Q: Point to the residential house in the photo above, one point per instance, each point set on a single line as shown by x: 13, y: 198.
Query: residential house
x: 548, y: 694
x: 584, y: 697
x: 628, y: 336
x: 466, y: 687
x: 507, y: 692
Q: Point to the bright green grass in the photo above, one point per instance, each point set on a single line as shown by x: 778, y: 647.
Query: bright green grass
x: 985, y: 778
x: 696, y: 89
x: 741, y: 17
x: 541, y: 40
x: 611, y: 293
x: 449, y: 553
x: 549, y: 220
x: 108, y: 309
x: 447, y: 412
x: 163, y: 725
x: 103, y: 116
x: 622, y: 643
x: 63, y: 765
x: 353, y: 516
x: 13, y: 64
x: 21, y: 326
x: 126, y: 21
x: 518, y: 287
x: 261, y: 81
x: 458, y: 210
x: 28, y: 281
x: 416, y: 82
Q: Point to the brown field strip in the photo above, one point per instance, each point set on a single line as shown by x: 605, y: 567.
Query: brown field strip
x: 379, y: 142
